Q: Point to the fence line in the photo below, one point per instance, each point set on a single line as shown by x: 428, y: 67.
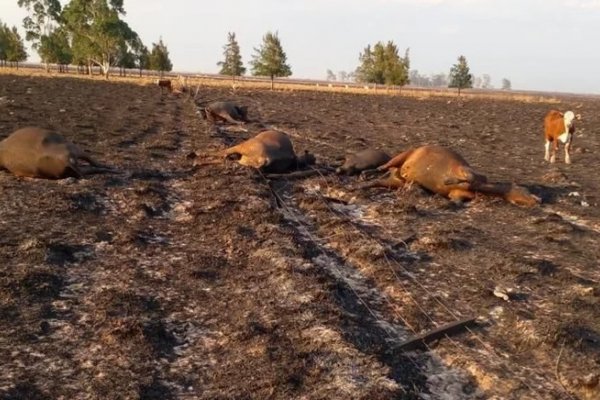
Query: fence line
x: 321, y: 84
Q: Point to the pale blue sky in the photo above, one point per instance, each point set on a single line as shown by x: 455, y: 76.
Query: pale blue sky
x: 549, y: 45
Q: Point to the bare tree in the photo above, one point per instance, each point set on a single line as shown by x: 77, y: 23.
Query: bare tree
x: 330, y: 75
x: 487, y: 82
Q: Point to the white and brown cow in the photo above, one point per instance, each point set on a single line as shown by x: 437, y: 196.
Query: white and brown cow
x: 558, y: 127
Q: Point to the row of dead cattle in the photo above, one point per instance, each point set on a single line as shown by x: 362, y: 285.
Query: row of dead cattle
x: 39, y: 153
x: 436, y: 168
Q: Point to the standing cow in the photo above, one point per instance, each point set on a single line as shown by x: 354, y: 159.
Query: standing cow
x: 558, y: 127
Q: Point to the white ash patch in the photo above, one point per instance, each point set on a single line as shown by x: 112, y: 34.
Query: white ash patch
x: 345, y: 375
x: 347, y: 204
x: 447, y: 383
x: 30, y: 244
x: 577, y: 221
x: 526, y: 331
x: 103, y: 247
x: 180, y: 212
x: 444, y: 382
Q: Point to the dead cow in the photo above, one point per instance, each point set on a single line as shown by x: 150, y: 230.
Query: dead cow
x: 445, y: 172
x: 225, y: 111
x: 39, y: 153
x: 558, y: 127
x: 270, y: 151
x: 363, y: 160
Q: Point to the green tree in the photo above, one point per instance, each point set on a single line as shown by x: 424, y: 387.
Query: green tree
x: 159, y: 58
x: 382, y: 64
x: 232, y: 64
x: 125, y: 59
x: 270, y: 59
x: 39, y: 25
x: 142, y: 56
x: 82, y: 49
x: 55, y: 48
x: 506, y: 85
x: 4, y: 42
x: 460, y: 76
x: 99, y: 31
x: 15, y: 50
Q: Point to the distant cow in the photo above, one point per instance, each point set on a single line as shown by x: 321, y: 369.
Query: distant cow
x: 225, y: 111
x: 164, y: 84
x: 558, y: 127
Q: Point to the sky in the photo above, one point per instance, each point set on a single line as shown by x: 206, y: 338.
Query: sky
x: 547, y: 45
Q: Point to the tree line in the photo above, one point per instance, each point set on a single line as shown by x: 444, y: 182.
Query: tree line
x: 90, y: 33
x: 380, y: 64
x: 268, y: 60
x: 84, y: 33
x: 12, y: 49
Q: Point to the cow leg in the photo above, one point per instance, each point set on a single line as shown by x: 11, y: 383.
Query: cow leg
x: 547, y: 148
x: 397, y: 161
x: 92, y: 161
x: 554, y: 151
x: 230, y: 119
x: 392, y: 182
x: 210, y: 117
x: 568, y: 152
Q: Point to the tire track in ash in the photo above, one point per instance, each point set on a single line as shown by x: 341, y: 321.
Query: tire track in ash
x: 369, y: 326
x: 156, y: 125
x: 40, y: 302
x: 85, y: 296
x: 299, y: 320
x: 136, y: 314
x: 121, y: 331
x: 363, y: 234
x: 362, y: 301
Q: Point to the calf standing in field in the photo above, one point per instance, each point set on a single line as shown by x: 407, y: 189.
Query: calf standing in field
x: 558, y: 127
x: 164, y: 84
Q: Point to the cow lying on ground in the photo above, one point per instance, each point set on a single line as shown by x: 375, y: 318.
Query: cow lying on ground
x: 558, y: 127
x: 39, y: 153
x: 363, y: 160
x: 225, y: 111
x: 445, y: 172
x: 270, y: 151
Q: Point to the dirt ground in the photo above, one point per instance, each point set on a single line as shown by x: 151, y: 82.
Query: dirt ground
x: 172, y: 281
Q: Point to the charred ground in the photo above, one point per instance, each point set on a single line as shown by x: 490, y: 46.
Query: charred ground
x: 169, y: 281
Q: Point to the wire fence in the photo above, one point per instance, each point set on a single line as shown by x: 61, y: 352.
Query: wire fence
x: 313, y: 83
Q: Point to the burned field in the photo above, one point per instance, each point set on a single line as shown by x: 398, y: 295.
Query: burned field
x: 174, y: 281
